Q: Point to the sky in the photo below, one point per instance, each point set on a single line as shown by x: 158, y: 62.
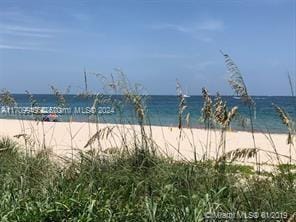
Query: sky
x: 154, y: 42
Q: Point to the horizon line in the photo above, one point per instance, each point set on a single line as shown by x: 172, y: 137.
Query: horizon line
x: 106, y: 94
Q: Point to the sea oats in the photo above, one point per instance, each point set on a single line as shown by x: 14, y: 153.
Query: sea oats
x: 6, y: 98
x: 236, y: 80
x: 240, y: 153
x: 207, y: 105
x: 286, y: 120
x: 220, y: 111
x: 61, y: 101
x: 101, y: 134
x: 283, y: 115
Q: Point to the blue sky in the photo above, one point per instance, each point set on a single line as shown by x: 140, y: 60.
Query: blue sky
x: 45, y: 43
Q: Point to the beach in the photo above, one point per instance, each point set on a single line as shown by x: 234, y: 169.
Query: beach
x: 67, y: 139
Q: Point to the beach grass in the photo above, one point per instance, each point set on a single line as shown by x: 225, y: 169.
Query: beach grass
x: 33, y: 188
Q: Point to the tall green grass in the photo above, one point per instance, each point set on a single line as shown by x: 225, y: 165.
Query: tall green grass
x: 116, y: 189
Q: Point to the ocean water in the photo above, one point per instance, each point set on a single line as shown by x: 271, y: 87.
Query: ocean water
x: 161, y: 110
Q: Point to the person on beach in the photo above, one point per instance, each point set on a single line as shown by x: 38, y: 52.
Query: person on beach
x: 52, y: 117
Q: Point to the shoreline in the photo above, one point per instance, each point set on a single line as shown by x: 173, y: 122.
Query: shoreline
x: 195, y: 126
x: 64, y: 138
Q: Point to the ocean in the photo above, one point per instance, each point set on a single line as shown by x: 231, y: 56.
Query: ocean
x: 161, y: 110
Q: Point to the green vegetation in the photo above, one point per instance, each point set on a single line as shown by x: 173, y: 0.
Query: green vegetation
x: 118, y: 189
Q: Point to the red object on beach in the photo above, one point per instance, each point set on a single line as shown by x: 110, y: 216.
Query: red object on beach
x: 52, y: 117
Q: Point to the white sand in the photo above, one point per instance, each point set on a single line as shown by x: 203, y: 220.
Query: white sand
x: 63, y: 138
